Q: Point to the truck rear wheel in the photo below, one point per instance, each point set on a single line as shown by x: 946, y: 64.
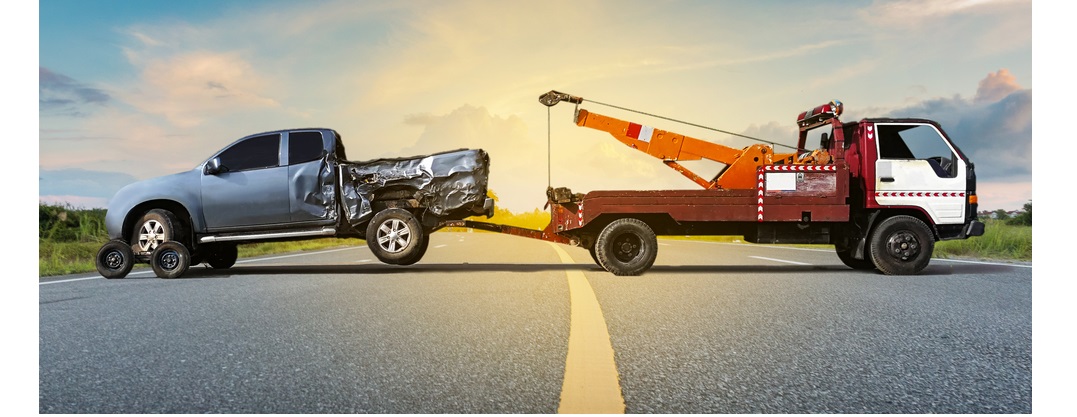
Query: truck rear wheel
x: 626, y: 247
x: 396, y: 237
x: 902, y: 245
x: 170, y: 260
x: 115, y: 259
x: 846, y: 257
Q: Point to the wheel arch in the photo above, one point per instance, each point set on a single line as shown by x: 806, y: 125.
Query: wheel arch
x: 883, y: 214
x: 177, y: 209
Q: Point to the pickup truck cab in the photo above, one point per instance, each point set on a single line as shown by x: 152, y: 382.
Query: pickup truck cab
x: 290, y: 185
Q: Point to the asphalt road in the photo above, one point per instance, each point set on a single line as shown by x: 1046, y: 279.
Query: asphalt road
x: 481, y: 325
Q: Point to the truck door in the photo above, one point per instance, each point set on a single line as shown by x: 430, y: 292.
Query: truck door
x: 251, y: 188
x: 917, y: 167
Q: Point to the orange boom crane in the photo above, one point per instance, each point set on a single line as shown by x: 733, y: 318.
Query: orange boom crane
x: 671, y: 148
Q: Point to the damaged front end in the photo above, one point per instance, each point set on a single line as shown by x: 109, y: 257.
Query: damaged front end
x: 447, y: 186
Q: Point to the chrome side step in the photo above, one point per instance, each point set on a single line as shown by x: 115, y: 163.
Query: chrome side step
x: 325, y: 231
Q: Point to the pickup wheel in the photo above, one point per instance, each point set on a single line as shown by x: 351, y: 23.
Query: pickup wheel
x: 418, y: 253
x: 170, y: 260
x: 902, y: 245
x: 396, y: 237
x: 222, y: 256
x: 115, y: 259
x: 155, y: 227
x: 626, y: 247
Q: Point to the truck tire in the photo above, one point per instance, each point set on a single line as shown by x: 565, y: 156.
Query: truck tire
x: 626, y: 247
x: 170, y: 260
x: 846, y: 257
x: 222, y: 256
x: 155, y: 227
x: 902, y: 245
x: 115, y: 259
x: 594, y: 256
x: 396, y: 237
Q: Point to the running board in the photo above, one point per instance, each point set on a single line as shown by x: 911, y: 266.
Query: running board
x: 325, y: 231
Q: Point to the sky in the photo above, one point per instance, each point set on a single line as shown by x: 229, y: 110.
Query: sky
x: 129, y: 90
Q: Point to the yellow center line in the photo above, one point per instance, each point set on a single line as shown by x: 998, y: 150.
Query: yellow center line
x: 591, y: 384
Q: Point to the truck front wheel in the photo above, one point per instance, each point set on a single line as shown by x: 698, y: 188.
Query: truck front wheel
x: 626, y: 247
x: 396, y: 237
x: 902, y: 245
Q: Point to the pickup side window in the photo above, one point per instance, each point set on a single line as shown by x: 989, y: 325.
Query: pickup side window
x: 916, y: 142
x: 254, y: 153
x: 304, y: 147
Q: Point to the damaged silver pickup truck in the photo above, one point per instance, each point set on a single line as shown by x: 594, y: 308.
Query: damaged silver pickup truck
x: 290, y: 185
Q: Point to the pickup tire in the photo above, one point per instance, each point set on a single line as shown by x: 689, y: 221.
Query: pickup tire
x: 222, y: 256
x: 115, y: 259
x: 626, y: 247
x: 418, y: 254
x: 902, y: 245
x: 155, y: 227
x: 170, y: 260
x: 396, y: 237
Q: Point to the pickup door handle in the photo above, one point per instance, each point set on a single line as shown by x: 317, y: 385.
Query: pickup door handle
x: 887, y: 179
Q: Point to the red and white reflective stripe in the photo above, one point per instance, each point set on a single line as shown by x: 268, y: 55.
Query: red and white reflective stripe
x: 800, y: 168
x: 759, y: 195
x: 916, y: 194
x: 641, y: 132
x: 579, y: 214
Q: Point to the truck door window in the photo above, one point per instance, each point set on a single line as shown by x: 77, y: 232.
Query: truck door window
x: 918, y: 142
x: 254, y: 153
x: 304, y: 147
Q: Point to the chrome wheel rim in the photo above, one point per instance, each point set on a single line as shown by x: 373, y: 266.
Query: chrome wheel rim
x: 393, y: 236
x: 151, y: 235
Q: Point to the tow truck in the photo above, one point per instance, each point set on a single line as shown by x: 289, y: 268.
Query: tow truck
x: 881, y: 190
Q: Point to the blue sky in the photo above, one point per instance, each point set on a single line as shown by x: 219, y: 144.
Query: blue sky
x: 134, y: 89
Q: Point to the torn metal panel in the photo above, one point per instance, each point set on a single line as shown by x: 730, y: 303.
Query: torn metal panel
x: 447, y: 184
x: 312, y: 187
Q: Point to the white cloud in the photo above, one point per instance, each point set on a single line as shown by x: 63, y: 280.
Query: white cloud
x: 188, y: 88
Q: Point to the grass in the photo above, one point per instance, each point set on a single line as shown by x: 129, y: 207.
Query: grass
x: 69, y: 239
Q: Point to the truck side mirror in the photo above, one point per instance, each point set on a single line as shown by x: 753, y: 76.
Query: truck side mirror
x: 213, y: 167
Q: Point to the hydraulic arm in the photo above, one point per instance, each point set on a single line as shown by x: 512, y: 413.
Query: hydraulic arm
x: 670, y: 147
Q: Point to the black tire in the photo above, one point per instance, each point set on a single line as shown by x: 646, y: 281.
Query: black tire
x: 846, y: 257
x: 115, y: 259
x: 594, y: 256
x: 155, y: 227
x: 395, y: 237
x: 626, y: 247
x: 222, y: 256
x: 418, y: 253
x: 902, y: 245
x: 170, y: 260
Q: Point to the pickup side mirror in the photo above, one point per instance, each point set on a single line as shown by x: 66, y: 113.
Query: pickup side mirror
x: 213, y: 167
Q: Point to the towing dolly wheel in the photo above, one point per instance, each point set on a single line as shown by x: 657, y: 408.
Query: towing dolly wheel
x: 115, y: 259
x: 902, y: 245
x: 222, y: 256
x: 170, y: 260
x: 626, y: 247
x: 396, y: 237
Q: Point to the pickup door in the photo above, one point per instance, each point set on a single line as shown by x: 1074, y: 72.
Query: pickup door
x: 252, y: 187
